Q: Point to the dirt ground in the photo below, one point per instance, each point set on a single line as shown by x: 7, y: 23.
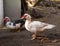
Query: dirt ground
x: 8, y: 38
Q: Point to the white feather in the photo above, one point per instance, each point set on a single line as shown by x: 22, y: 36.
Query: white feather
x: 11, y: 26
x: 49, y: 26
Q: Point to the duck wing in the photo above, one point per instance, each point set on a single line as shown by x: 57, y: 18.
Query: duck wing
x: 37, y: 24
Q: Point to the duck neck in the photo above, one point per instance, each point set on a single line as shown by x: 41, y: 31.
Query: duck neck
x: 28, y: 21
x: 27, y: 24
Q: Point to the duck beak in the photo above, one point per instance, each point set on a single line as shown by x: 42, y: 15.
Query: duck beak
x: 24, y: 17
x: 4, y: 19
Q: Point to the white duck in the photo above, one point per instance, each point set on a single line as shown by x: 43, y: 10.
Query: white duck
x: 9, y: 24
x: 13, y: 25
x: 35, y: 26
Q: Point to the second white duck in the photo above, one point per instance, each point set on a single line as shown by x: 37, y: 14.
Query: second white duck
x: 35, y: 26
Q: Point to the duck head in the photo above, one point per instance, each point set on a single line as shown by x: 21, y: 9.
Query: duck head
x: 26, y: 16
x: 6, y: 19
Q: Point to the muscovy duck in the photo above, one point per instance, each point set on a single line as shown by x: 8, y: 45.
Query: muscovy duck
x: 14, y: 25
x: 35, y: 26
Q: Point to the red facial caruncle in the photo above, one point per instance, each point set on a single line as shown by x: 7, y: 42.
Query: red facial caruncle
x: 24, y: 16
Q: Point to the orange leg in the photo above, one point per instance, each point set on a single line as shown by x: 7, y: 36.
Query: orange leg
x: 44, y: 38
x: 34, y: 36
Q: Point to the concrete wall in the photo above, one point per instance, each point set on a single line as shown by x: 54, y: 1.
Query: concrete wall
x: 1, y: 13
x: 12, y: 9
